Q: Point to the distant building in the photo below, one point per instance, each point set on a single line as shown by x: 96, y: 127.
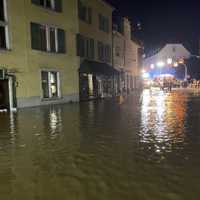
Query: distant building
x: 127, y: 56
x: 173, y: 52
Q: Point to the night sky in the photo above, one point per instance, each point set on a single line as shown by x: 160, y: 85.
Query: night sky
x: 171, y: 21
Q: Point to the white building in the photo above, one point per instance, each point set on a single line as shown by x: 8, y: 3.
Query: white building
x: 169, y: 53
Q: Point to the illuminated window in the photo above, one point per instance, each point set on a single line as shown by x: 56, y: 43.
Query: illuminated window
x: 50, y: 84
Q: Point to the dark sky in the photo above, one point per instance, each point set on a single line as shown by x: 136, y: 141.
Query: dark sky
x: 164, y: 21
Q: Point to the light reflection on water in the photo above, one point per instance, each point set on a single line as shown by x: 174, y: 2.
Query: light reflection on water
x: 146, y: 148
x: 163, y: 119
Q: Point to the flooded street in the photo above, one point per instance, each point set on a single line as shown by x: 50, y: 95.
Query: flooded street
x: 147, y: 148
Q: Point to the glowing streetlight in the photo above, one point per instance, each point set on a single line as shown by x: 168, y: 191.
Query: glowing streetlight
x: 169, y: 61
x: 176, y: 64
x: 181, y: 61
x: 143, y: 71
x: 152, y: 66
x: 160, y: 64
x: 146, y: 75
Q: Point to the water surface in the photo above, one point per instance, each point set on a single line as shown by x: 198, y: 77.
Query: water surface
x: 147, y: 148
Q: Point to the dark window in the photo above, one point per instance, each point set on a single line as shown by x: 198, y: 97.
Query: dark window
x: 92, y: 49
x: 2, y: 37
x: 117, y: 51
x: 55, y: 43
x: 101, y: 51
x: 58, y: 5
x: 80, y: 45
x: 107, y: 50
x: 50, y: 4
x: 103, y: 23
x: 38, y: 37
x: 61, y: 41
x: 85, y: 47
x: 85, y: 12
x: 2, y: 12
x: 52, y: 40
x: 89, y: 15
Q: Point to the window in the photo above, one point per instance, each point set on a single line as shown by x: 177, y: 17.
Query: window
x: 2, y: 11
x: 85, y: 47
x: 101, y: 51
x: 117, y: 51
x: 50, y: 84
x: 104, y: 52
x: 2, y: 38
x: 103, y: 23
x: 3, y: 26
x: 85, y: 12
x: 107, y: 50
x: 55, y: 5
x: 45, y: 38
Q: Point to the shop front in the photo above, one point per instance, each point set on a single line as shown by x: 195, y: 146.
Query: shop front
x: 97, y: 80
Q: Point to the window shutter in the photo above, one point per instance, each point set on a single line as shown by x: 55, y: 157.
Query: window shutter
x: 92, y: 48
x: 58, y: 5
x: 37, y: 2
x: 78, y: 44
x: 35, y: 36
x: 61, y: 41
x: 89, y: 15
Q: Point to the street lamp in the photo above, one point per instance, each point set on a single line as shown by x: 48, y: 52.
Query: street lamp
x: 160, y: 64
x: 152, y: 66
x: 143, y: 71
x: 169, y: 61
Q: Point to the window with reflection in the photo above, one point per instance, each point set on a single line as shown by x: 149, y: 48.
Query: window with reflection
x: 50, y: 84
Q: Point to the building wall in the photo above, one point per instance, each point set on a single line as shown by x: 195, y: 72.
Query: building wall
x: 27, y: 63
x: 118, y: 50
x: 126, y: 52
x: 92, y: 30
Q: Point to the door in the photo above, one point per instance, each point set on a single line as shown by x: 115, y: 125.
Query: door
x: 4, y: 94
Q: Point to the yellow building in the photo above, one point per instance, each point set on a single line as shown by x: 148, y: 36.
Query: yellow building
x: 38, y: 62
x: 94, y: 47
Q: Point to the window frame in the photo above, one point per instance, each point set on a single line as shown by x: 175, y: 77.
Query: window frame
x: 51, y: 8
x: 58, y: 84
x: 48, y: 29
x: 104, y: 23
x: 87, y: 15
x: 5, y: 25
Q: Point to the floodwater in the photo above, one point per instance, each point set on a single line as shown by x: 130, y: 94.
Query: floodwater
x: 147, y: 148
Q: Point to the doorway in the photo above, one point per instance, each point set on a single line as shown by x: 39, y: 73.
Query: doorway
x: 4, y: 95
x: 7, y: 94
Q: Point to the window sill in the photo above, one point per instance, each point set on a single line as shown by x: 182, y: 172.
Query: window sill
x: 49, y: 52
x: 51, y: 99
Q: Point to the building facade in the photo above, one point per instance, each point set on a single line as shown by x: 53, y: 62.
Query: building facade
x: 38, y: 62
x: 127, y: 56
x: 94, y: 48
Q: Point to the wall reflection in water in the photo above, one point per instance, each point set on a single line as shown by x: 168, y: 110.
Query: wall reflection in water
x: 163, y: 119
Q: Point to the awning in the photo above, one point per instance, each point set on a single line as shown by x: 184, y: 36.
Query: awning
x: 92, y: 67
